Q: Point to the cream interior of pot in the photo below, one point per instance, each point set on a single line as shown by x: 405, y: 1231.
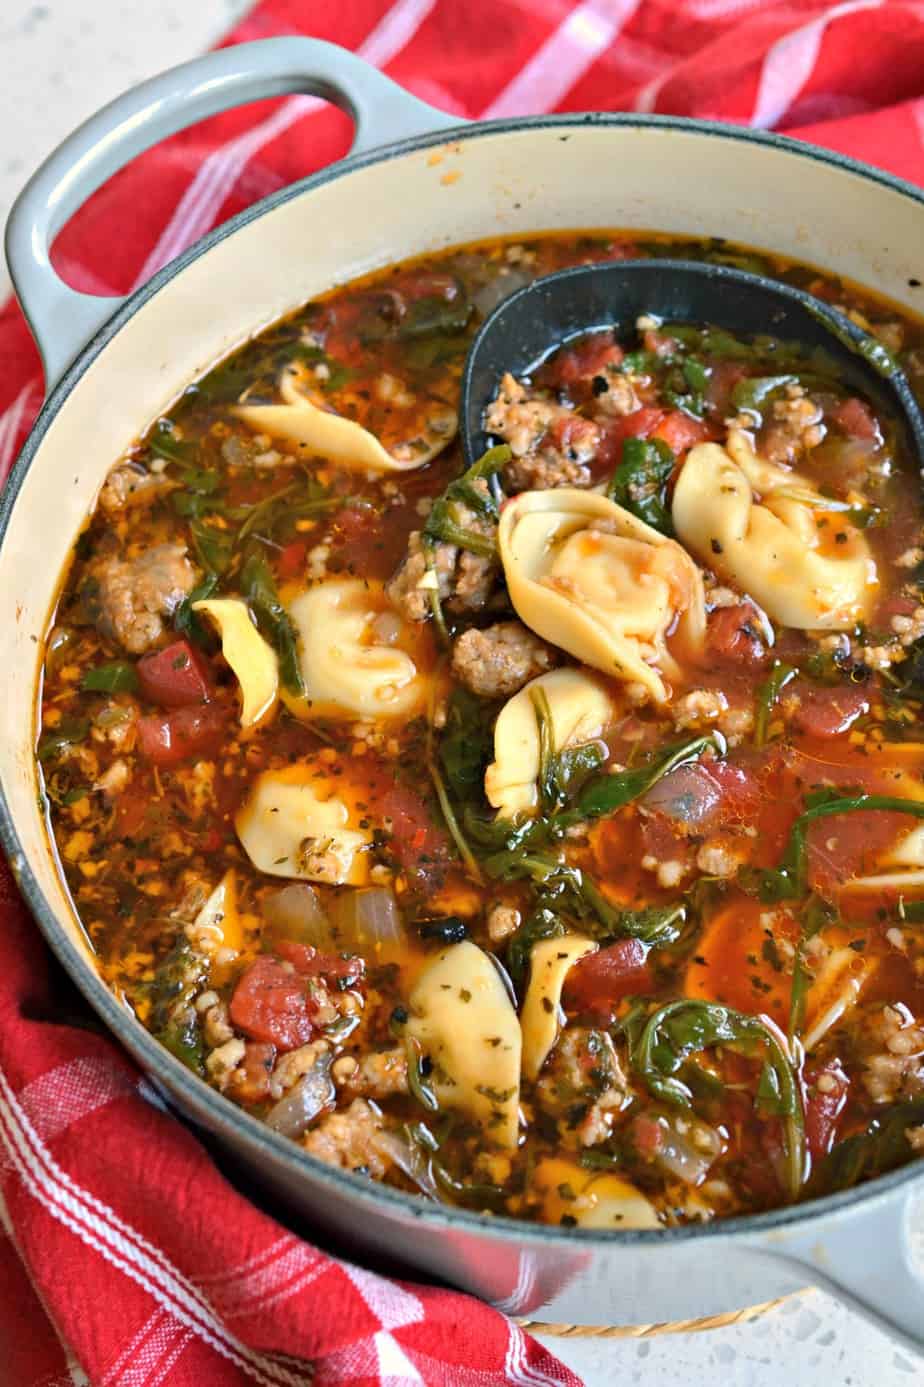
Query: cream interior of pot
x: 493, y: 184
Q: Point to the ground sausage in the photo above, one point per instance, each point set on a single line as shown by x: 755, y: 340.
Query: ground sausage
x: 499, y: 660
x: 347, y: 1139
x: 136, y: 594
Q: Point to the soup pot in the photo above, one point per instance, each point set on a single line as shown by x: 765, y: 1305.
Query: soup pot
x: 415, y: 181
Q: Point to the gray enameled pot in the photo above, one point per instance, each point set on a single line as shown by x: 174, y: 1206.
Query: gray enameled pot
x: 415, y: 181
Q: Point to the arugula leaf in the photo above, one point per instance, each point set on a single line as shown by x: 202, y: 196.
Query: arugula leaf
x: 467, y: 741
x: 443, y: 523
x: 120, y: 676
x: 543, y: 923
x: 789, y: 879
x: 163, y: 442
x: 882, y: 1147
x: 816, y: 916
x: 638, y: 484
x: 767, y: 696
x: 754, y: 392
x: 560, y: 771
x: 604, y: 794
x: 214, y: 548
x: 188, y: 622
x: 680, y: 1029
x: 258, y: 588
x: 56, y: 740
x: 435, y: 315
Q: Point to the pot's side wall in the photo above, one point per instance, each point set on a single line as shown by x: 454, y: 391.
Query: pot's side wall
x: 539, y: 177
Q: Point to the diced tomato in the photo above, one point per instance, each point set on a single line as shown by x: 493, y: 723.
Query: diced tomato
x: 826, y: 1088
x: 598, y: 982
x: 639, y: 424
x: 681, y: 432
x: 661, y: 343
x: 897, y: 604
x: 131, y: 810
x: 416, y: 841
x: 290, y: 562
x: 616, y: 430
x: 734, y: 637
x: 856, y: 419
x: 585, y: 359
x: 270, y: 1003
x: 827, y: 712
x: 169, y: 738
x: 252, y: 1076
x: 662, y: 841
x: 176, y: 677
x: 740, y: 788
x: 574, y: 431
x: 307, y: 962
x: 722, y: 381
x: 647, y: 1135
x: 841, y: 846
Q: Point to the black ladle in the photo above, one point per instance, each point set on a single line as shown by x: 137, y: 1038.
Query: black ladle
x: 529, y: 325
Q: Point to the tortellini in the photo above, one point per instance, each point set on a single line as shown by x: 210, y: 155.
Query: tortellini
x: 580, y: 710
x: 542, y: 1018
x: 590, y: 577
x: 253, y: 661
x: 592, y: 1199
x: 464, y: 1022
x: 219, y: 924
x: 773, y: 548
x: 347, y: 667
x: 325, y: 434
x: 296, y: 823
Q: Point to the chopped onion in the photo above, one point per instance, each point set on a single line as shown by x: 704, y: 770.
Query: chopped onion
x: 295, y: 913
x: 409, y: 1158
x: 689, y: 794
x: 499, y: 288
x: 687, y: 1155
x: 307, y: 1097
x: 366, y: 917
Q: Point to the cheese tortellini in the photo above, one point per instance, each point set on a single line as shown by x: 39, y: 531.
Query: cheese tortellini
x: 253, y: 661
x: 757, y: 525
x: 464, y: 1022
x: 579, y: 710
x: 296, y: 823
x: 325, y: 434
x: 542, y: 1017
x: 349, y: 667
x: 590, y: 577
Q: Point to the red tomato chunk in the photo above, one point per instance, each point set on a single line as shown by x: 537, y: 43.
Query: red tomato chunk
x: 170, y: 738
x: 734, y: 636
x: 307, y: 962
x: 599, y: 981
x: 176, y: 677
x: 827, y: 712
x: 270, y: 1003
x: 826, y: 1089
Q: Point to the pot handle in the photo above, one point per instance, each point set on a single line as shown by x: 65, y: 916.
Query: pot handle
x: 865, y: 1257
x: 63, y: 320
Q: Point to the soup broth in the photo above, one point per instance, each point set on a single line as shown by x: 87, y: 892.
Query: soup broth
x: 544, y: 838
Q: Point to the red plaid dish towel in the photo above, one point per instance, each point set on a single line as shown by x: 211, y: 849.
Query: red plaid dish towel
x: 125, y: 1256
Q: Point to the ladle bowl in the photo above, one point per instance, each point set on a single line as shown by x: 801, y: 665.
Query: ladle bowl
x: 532, y: 323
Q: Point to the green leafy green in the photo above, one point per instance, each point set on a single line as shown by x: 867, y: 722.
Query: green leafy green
x: 767, y: 697
x: 214, y: 547
x: 639, y: 482
x: 416, y: 1080
x: 816, y: 916
x: 186, y: 621
x: 753, y: 393
x: 165, y: 444
x: 789, y: 879
x: 436, y: 315
x: 560, y: 772
x: 883, y: 1146
x: 873, y: 352
x: 466, y: 744
x: 444, y: 523
x: 119, y: 676
x: 680, y: 1029
x: 54, y: 741
x: 542, y: 923
x: 258, y: 588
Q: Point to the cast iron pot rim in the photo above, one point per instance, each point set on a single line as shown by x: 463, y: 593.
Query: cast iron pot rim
x: 222, y: 1114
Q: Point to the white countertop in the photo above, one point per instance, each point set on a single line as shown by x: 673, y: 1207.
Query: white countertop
x: 60, y: 61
